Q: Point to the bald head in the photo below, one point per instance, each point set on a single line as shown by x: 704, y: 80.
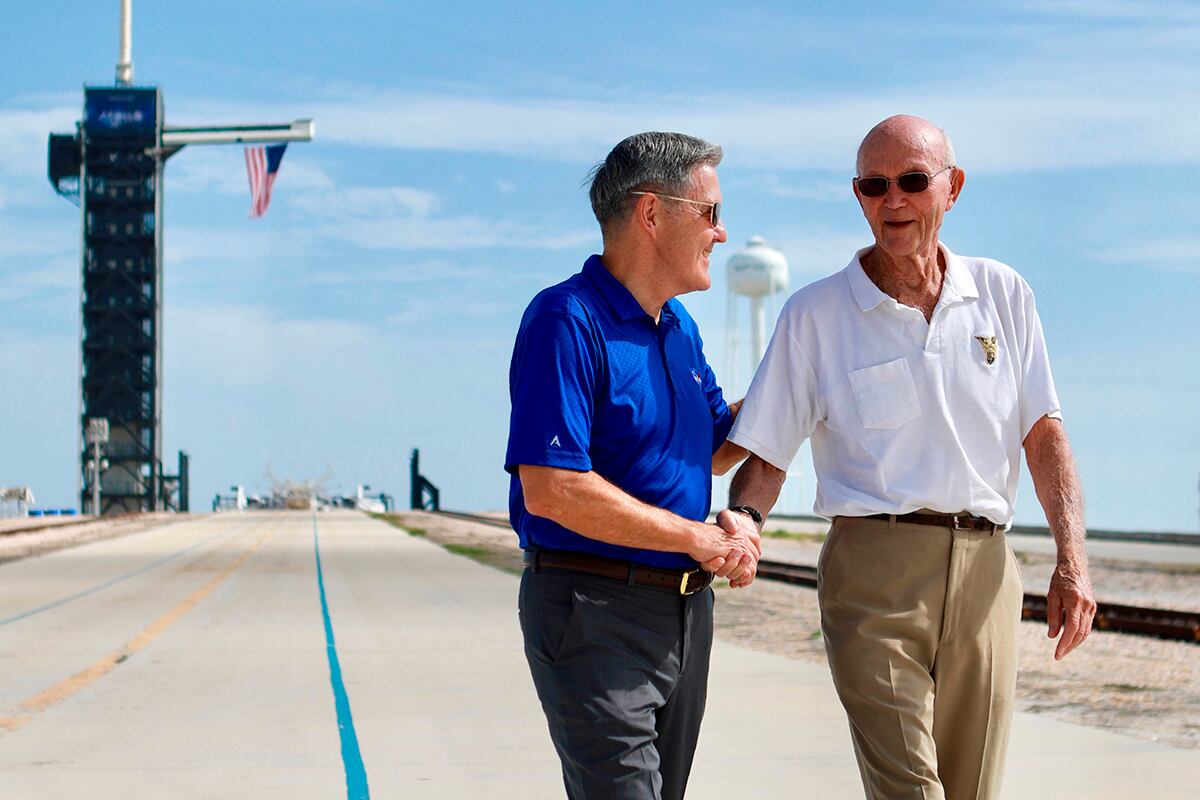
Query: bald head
x: 911, y: 133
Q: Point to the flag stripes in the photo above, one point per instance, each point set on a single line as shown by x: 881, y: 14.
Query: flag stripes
x: 262, y: 166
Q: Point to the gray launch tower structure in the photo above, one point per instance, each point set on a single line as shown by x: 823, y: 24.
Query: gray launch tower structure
x: 112, y: 167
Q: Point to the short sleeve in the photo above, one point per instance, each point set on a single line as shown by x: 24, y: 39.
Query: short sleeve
x: 1038, y: 396
x: 552, y: 383
x: 781, y: 409
x: 722, y: 418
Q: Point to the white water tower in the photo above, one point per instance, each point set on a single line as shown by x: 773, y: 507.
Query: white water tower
x: 759, y: 273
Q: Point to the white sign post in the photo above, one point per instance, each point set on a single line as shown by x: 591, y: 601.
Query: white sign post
x: 97, y: 434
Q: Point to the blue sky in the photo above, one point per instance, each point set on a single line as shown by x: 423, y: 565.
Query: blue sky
x: 373, y: 309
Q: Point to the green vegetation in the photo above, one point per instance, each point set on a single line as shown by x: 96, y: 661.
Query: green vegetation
x: 1127, y: 687
x: 394, y: 521
x: 503, y: 559
x: 465, y: 550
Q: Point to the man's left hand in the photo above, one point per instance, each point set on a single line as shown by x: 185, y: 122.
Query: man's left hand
x: 1070, y: 607
x: 741, y: 572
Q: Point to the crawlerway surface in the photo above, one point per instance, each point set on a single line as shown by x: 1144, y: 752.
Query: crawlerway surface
x: 1132, y: 685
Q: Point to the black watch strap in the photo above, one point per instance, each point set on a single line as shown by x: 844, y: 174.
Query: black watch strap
x: 750, y: 511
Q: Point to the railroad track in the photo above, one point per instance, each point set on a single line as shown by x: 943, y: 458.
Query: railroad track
x: 1164, y: 623
x: 1160, y: 622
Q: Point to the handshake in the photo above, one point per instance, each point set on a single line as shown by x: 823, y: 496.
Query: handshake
x: 731, y: 548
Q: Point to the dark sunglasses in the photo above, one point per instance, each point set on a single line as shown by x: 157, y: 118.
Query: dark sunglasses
x: 909, y: 182
x: 714, y: 214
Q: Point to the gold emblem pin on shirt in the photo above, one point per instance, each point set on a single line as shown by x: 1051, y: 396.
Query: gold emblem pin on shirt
x: 989, y: 347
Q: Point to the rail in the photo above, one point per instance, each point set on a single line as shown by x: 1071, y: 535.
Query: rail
x: 1164, y: 623
x: 1161, y: 622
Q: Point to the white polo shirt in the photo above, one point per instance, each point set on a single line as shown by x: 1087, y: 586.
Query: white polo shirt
x: 904, y: 414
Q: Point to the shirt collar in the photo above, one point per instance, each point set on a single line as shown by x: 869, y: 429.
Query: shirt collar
x: 620, y: 299
x: 958, y: 280
x: 865, y: 292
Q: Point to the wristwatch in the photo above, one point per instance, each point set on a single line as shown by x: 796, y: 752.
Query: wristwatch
x: 751, y: 512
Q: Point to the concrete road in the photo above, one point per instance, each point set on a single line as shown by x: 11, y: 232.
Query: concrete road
x: 259, y: 655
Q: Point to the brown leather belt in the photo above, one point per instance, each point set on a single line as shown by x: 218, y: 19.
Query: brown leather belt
x: 959, y: 522
x: 678, y: 581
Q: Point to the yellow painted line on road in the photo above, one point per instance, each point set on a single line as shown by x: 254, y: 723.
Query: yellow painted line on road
x: 12, y: 723
x: 86, y: 677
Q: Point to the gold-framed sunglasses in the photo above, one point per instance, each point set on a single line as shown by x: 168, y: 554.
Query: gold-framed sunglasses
x: 714, y: 209
x: 909, y: 183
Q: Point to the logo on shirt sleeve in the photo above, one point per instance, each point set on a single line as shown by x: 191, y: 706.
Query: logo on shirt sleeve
x: 696, y: 378
x: 554, y: 442
x: 988, y: 343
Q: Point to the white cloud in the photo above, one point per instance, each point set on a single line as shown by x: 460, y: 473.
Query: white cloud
x: 373, y: 218
x: 1122, y: 10
x: 404, y: 218
x: 37, y: 437
x: 22, y: 239
x: 23, y: 136
x: 222, y: 170
x: 368, y: 202
x: 240, y: 346
x: 413, y: 311
x: 1049, y: 115
x: 1058, y: 106
x: 453, y: 233
x: 57, y: 276
x: 207, y: 170
x: 827, y: 191
x: 247, y: 241
x: 434, y: 271
x: 812, y: 254
x: 1179, y: 254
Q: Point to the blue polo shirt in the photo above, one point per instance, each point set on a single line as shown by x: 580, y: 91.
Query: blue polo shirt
x: 595, y: 384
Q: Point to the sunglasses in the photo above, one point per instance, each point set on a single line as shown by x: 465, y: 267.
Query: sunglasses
x: 714, y: 212
x: 909, y: 183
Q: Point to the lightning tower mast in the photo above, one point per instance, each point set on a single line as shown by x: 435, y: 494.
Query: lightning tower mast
x: 112, y: 167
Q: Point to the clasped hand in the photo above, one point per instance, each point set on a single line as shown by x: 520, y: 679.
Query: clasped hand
x: 731, y: 548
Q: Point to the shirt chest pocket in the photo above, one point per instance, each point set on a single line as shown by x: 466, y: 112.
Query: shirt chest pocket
x: 885, y: 394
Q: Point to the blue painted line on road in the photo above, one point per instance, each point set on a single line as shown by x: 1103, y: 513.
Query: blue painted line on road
x: 356, y: 773
x: 106, y: 584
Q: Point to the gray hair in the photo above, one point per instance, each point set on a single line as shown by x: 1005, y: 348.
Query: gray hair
x: 651, y: 161
x: 950, y: 159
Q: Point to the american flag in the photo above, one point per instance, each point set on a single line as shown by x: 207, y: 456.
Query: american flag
x: 262, y: 165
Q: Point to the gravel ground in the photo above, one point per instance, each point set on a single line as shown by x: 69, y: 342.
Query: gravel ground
x: 1131, y: 685
x: 14, y: 545
x: 1148, y: 585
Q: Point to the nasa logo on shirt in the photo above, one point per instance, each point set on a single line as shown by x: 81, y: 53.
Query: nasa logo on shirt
x: 988, y: 343
x: 696, y: 377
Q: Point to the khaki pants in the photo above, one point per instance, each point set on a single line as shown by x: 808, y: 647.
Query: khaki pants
x: 920, y: 625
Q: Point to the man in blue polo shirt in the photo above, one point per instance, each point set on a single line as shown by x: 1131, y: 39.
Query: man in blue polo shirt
x: 617, y: 426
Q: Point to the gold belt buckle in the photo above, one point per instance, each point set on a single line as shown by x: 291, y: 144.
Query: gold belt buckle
x: 687, y: 573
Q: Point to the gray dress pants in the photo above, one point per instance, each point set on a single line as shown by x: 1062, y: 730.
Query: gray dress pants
x: 621, y: 672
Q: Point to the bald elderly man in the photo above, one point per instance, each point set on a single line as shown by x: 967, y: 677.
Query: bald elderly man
x: 920, y: 375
